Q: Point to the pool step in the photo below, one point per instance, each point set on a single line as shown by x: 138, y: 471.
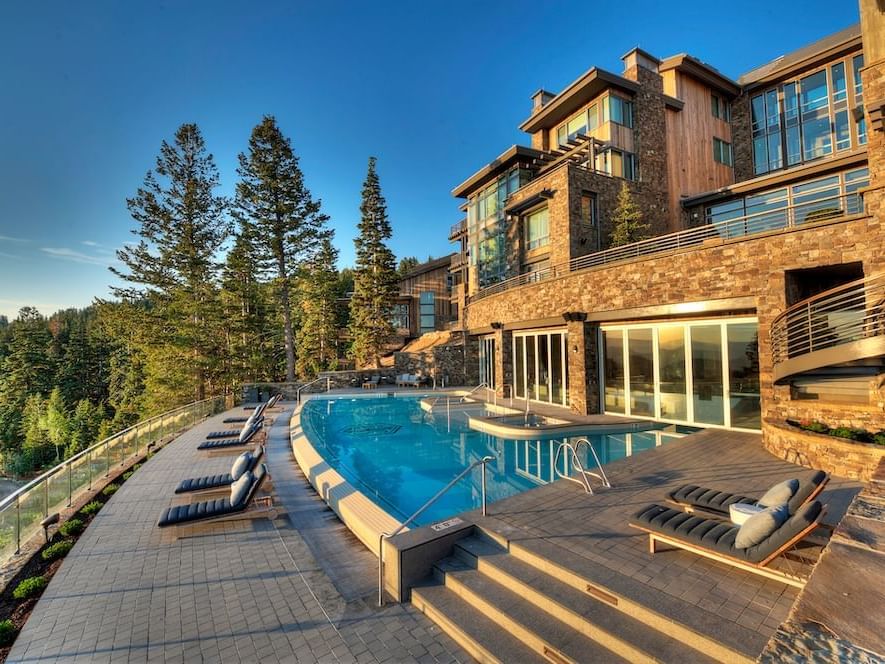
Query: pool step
x: 592, y: 617
x: 477, y: 634
x: 620, y: 594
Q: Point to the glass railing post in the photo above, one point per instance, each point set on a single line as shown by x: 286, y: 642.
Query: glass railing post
x: 45, y: 497
x: 89, y: 465
x: 107, y: 458
x: 70, y: 484
x: 18, y: 525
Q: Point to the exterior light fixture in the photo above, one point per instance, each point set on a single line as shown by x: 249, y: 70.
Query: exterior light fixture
x: 497, y: 325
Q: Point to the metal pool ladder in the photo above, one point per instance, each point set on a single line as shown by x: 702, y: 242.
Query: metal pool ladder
x: 478, y: 387
x: 480, y: 462
x: 565, y: 447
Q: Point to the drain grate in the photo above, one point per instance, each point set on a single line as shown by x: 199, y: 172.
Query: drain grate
x: 371, y: 430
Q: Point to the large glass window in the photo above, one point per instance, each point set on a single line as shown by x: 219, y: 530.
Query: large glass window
x: 743, y: 375
x: 699, y: 372
x: 487, y: 361
x: 613, y: 358
x: 642, y: 379
x: 540, y: 366
x: 537, y: 229
x: 400, y: 316
x: 619, y: 111
x: 673, y: 379
x: 428, y: 311
x: 617, y: 163
x: 706, y: 371
x: 581, y: 123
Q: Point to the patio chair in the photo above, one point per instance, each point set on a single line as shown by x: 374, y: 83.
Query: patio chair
x: 240, y: 504
x: 691, y: 497
x: 372, y: 383
x: 241, y: 440
x: 716, y: 539
x: 243, y: 463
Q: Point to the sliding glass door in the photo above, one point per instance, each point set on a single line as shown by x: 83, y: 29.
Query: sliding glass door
x: 700, y: 373
x: 540, y: 366
x: 487, y: 361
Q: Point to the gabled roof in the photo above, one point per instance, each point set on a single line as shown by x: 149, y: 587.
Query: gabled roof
x: 806, y: 56
x: 585, y: 88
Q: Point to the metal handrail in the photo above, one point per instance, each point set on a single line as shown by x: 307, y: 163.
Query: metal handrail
x: 306, y: 385
x: 576, y: 461
x: 841, y: 315
x: 102, y: 448
x: 746, y: 226
x: 458, y: 228
x: 481, y: 385
x: 480, y: 462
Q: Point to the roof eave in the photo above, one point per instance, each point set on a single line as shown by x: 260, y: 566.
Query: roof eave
x: 501, y: 161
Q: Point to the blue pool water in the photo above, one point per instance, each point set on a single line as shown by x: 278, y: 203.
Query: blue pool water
x: 399, y: 455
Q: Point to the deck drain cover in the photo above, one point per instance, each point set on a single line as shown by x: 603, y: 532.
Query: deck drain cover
x: 372, y: 430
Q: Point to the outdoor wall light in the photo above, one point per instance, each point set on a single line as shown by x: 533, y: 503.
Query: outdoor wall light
x: 497, y: 326
x: 575, y: 348
x: 574, y: 316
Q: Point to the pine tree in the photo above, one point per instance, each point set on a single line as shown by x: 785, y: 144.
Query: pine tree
x: 317, y: 336
x: 285, y: 221
x: 57, y: 423
x: 405, y: 265
x: 628, y: 225
x: 182, y: 225
x: 375, y: 278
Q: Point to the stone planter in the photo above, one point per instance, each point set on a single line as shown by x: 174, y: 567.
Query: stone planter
x: 837, y: 456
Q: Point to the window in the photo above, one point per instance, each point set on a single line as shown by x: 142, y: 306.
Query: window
x: 722, y: 152
x: 588, y: 209
x: 427, y: 311
x: 581, y: 123
x: 720, y: 107
x: 617, y: 163
x: 619, y: 111
x: 537, y: 229
x: 540, y: 366
x: 399, y: 317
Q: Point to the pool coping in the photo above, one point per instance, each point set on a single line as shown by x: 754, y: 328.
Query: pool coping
x: 492, y: 426
x: 365, y: 519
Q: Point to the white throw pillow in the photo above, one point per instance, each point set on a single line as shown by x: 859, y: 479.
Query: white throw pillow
x: 779, y: 494
x: 759, y: 526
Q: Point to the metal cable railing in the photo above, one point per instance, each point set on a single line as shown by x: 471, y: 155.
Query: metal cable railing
x: 821, y: 209
x: 22, y: 511
x: 842, y: 315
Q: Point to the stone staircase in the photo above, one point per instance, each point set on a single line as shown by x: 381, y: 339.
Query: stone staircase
x: 504, y: 603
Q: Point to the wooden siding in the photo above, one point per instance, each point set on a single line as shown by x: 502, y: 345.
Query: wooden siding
x: 690, y: 132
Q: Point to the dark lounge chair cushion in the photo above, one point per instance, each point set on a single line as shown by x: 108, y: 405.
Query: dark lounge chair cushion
x: 240, y: 489
x: 759, y: 526
x: 779, y: 494
x: 241, y: 465
x: 719, y: 536
x: 194, y: 511
x: 232, y: 433
x: 806, y: 488
x: 710, y: 499
x: 205, y: 482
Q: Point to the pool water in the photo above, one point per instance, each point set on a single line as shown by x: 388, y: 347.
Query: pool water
x: 400, y: 456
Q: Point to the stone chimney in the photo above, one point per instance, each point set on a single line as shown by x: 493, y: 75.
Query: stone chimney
x: 540, y: 99
x: 872, y: 24
x: 636, y: 57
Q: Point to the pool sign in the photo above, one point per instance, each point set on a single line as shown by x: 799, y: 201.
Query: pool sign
x: 445, y: 525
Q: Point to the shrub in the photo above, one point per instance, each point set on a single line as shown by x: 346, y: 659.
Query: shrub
x: 72, y: 527
x: 846, y: 432
x: 127, y: 474
x: 29, y: 587
x: 91, y: 508
x: 879, y: 438
x: 57, y: 550
x: 817, y: 427
x: 110, y: 489
x: 8, y: 632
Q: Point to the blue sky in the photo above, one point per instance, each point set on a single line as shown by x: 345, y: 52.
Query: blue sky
x: 90, y: 89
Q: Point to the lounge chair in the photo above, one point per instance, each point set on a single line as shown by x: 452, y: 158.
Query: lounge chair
x: 691, y: 497
x: 235, y: 420
x: 247, y: 423
x: 247, y: 461
x: 235, y: 506
x: 715, y: 539
x: 241, y: 440
x: 372, y: 383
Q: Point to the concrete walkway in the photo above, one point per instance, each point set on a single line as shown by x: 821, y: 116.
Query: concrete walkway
x: 245, y: 591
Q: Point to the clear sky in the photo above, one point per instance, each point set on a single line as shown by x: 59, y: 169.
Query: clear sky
x: 435, y: 90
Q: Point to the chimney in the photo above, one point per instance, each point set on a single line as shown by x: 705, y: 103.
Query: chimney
x: 540, y: 99
x: 637, y: 57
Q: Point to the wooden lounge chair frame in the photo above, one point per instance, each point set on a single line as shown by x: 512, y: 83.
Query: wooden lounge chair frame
x: 760, y: 568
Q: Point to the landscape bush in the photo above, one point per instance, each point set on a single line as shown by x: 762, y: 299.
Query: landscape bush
x: 57, y: 550
x: 29, y: 587
x: 72, y: 527
x: 110, y: 489
x: 8, y: 633
x: 91, y: 508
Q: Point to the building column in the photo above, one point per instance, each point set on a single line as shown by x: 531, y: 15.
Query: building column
x: 471, y: 359
x: 503, y: 362
x: 583, y: 364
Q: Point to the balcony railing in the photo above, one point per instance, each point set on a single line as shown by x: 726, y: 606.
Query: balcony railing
x: 457, y: 229
x: 854, y: 312
x: 747, y: 226
x: 22, y: 511
x: 457, y: 261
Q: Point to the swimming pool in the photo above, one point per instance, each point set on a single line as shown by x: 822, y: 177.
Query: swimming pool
x: 399, y: 455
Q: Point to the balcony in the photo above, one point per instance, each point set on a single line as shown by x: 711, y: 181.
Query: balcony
x: 842, y: 325
x: 457, y: 230
x: 734, y: 230
x: 458, y: 261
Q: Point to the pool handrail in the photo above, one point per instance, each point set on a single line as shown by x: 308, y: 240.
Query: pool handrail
x: 576, y: 461
x: 480, y: 386
x: 479, y: 462
x: 306, y: 385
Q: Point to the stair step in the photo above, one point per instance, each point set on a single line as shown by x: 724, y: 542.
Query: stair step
x: 540, y: 631
x: 480, y: 636
x: 595, y: 618
x: 690, y: 624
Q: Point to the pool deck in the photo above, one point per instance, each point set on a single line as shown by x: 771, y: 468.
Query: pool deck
x: 298, y: 588
x: 588, y: 534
